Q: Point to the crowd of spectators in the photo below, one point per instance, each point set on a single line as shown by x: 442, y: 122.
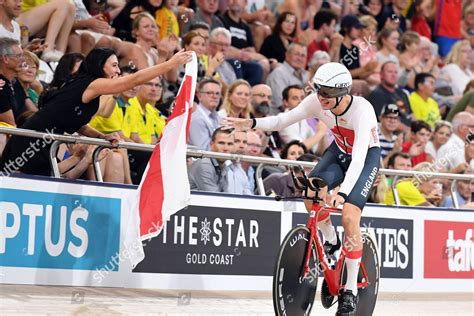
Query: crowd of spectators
x: 412, y: 59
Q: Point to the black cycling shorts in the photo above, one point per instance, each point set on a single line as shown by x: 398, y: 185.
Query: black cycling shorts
x: 333, y: 167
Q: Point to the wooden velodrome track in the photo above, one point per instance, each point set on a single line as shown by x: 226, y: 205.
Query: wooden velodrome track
x: 55, y: 300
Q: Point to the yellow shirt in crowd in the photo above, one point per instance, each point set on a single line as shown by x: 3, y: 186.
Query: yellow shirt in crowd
x: 167, y: 21
x: 408, y: 194
x: 427, y: 111
x: 111, y: 124
x: 27, y: 5
x: 146, y: 125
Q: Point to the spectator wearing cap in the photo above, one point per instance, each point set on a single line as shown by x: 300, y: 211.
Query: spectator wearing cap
x: 389, y: 121
x: 325, y: 38
x: 205, y: 119
x: 415, y: 147
x: 388, y: 93
x: 424, y: 107
x: 210, y: 174
x: 301, y: 131
x: 349, y: 54
x: 453, y: 152
x: 291, y: 72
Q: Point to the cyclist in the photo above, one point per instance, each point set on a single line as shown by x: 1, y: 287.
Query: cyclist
x: 351, y: 161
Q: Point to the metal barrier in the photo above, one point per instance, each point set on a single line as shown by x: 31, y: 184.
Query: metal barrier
x: 197, y: 153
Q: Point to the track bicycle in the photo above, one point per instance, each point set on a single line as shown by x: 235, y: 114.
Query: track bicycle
x: 302, y: 258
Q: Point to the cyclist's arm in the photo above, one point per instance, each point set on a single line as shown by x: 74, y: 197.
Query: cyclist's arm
x: 309, y: 107
x: 363, y: 124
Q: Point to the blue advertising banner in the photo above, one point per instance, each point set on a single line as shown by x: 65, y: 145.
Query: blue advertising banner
x: 59, y: 231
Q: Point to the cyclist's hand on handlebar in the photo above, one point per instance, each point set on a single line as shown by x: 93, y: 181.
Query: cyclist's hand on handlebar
x: 237, y: 124
x: 334, y: 200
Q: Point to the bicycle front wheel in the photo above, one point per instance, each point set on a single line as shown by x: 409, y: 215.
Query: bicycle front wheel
x: 293, y: 295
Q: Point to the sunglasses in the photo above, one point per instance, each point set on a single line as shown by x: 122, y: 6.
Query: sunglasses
x: 329, y: 92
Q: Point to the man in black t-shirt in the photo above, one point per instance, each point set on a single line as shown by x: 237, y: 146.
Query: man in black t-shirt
x: 388, y: 93
x: 247, y: 63
x: 12, y: 96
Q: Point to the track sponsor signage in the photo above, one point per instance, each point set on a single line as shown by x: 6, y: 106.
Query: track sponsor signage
x: 394, y: 239
x: 57, y: 231
x: 448, y: 250
x: 210, y: 240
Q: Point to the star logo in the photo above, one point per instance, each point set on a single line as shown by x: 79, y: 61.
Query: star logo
x: 205, y: 231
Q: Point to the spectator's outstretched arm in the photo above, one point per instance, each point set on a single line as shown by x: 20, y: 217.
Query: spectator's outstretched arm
x: 103, y: 86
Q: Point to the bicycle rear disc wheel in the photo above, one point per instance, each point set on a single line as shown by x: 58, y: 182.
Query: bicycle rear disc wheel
x: 293, y: 295
x: 371, y: 262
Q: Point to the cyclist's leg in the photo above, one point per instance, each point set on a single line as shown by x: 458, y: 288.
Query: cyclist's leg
x: 328, y: 170
x: 351, y: 214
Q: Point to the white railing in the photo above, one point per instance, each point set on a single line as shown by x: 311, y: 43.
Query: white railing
x: 197, y: 153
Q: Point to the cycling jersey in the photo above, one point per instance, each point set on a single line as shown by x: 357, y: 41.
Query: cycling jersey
x: 355, y: 130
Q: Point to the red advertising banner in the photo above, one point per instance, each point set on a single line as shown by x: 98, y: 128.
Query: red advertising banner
x: 449, y: 250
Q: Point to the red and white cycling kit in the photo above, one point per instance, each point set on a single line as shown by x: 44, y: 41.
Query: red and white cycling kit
x: 355, y: 131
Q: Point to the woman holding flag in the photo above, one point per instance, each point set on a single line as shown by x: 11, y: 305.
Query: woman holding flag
x: 70, y: 107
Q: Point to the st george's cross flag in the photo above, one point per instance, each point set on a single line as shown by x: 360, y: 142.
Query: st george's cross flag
x: 164, y: 189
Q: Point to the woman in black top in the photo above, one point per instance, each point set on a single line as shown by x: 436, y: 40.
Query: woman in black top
x: 275, y: 45
x: 70, y: 108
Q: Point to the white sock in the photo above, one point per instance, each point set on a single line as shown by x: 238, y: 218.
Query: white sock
x: 329, y: 232
x: 352, y: 266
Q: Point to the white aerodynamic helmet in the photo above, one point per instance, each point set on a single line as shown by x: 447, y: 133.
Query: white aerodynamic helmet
x: 332, y: 80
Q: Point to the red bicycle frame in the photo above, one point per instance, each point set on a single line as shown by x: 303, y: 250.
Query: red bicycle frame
x: 332, y: 276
